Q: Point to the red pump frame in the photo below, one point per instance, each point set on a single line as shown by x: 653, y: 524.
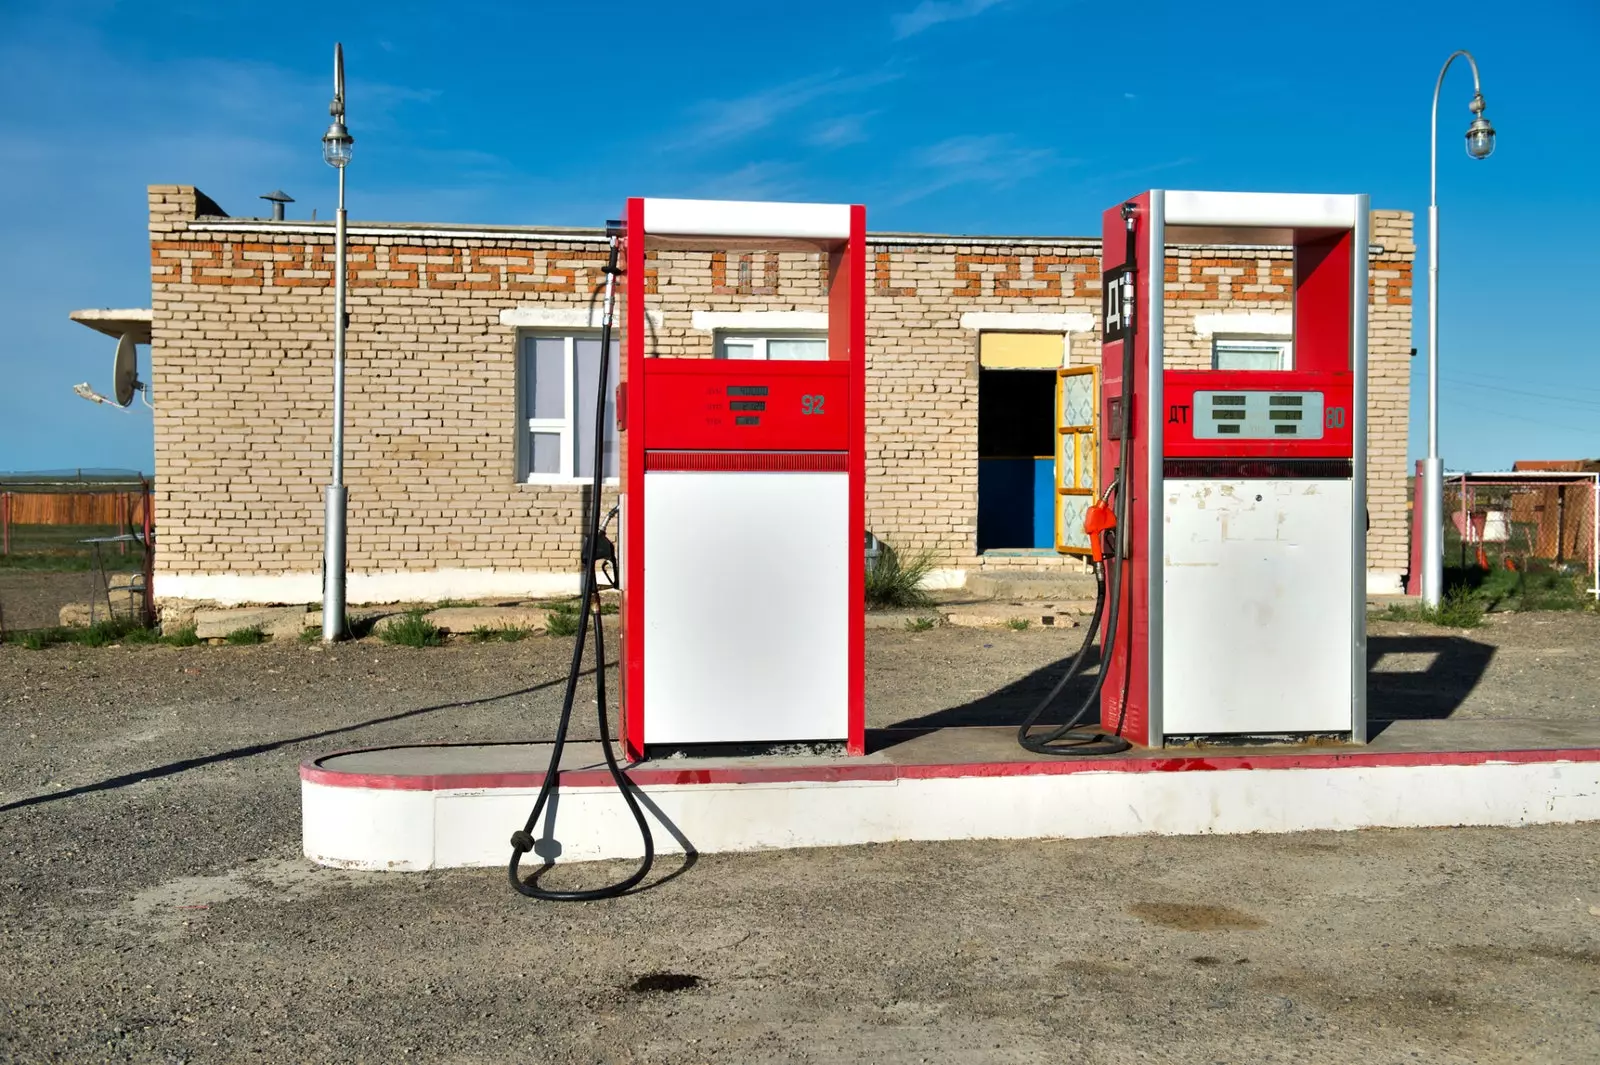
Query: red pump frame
x: 671, y: 415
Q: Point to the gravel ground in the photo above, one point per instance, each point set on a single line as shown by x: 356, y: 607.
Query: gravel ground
x: 33, y: 599
x: 154, y: 908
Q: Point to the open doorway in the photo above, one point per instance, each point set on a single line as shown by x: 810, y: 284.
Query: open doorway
x: 1016, y: 458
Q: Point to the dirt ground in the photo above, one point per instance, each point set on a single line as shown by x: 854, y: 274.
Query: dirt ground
x: 154, y: 907
x: 32, y: 599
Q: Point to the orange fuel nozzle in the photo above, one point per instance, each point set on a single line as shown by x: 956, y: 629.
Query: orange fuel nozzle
x: 1096, y: 520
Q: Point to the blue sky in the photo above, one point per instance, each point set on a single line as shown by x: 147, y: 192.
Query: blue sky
x: 965, y: 116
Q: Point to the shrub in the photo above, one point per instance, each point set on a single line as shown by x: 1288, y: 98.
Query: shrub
x: 919, y: 624
x: 245, y: 636
x: 412, y: 629
x: 1017, y: 624
x: 893, y: 583
x: 184, y: 637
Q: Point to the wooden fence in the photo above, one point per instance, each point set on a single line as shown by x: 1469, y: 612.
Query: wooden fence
x: 26, y: 516
x: 73, y: 508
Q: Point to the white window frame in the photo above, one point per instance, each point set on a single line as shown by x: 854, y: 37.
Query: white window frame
x: 1283, y: 346
x: 565, y: 426
x: 760, y: 340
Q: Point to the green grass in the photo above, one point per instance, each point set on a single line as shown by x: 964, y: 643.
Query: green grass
x: 562, y: 620
x: 56, y: 549
x: 412, y: 629
x: 893, y: 583
x: 919, y: 624
x: 502, y: 634
x: 183, y: 637
x: 244, y: 637
x: 1017, y: 624
x: 1471, y: 593
x: 101, y: 634
x: 311, y: 634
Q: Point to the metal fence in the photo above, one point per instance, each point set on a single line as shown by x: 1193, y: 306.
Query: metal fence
x: 1524, y: 520
x: 76, y: 547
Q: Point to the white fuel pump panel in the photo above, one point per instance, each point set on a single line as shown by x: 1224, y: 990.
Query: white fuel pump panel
x: 746, y: 593
x: 1257, y: 606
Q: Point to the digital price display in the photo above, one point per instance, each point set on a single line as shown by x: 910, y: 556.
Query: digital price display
x: 1258, y: 415
x: 747, y: 390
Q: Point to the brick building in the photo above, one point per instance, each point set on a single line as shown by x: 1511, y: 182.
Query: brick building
x: 466, y: 456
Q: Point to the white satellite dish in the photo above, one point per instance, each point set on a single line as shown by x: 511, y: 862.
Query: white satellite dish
x: 125, y: 371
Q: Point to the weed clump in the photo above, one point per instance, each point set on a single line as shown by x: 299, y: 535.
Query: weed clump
x: 412, y: 629
x: 893, y: 583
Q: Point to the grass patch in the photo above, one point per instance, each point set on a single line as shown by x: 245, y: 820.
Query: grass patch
x: 182, y: 637
x: 100, y: 634
x: 1472, y: 593
x: 39, y: 639
x: 562, y: 620
x: 57, y: 549
x: 919, y: 624
x: 412, y: 629
x: 1017, y: 624
x: 311, y: 634
x: 251, y: 634
x: 503, y: 634
x: 893, y: 583
x: 1459, y: 609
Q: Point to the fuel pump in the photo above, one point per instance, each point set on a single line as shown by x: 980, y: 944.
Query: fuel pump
x: 736, y: 473
x: 1240, y: 524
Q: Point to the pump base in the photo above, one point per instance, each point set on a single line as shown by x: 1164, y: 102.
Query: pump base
x: 451, y: 806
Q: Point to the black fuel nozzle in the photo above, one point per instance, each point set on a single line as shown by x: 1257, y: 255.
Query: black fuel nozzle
x: 599, y: 549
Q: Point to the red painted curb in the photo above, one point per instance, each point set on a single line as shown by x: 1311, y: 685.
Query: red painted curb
x: 312, y: 771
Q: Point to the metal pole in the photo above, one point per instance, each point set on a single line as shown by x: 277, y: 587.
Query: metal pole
x: 1594, y: 535
x: 1433, y: 466
x: 333, y: 553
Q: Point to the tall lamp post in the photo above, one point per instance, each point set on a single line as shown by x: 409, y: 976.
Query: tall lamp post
x: 336, y: 149
x: 1480, y: 142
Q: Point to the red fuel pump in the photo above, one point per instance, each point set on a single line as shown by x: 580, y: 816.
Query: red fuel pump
x: 1233, y: 590
x: 744, y: 474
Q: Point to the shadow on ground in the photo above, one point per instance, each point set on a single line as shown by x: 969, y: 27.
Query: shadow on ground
x: 1454, y: 666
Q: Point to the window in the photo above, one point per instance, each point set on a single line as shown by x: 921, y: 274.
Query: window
x: 1251, y: 354
x: 807, y: 347
x: 558, y: 379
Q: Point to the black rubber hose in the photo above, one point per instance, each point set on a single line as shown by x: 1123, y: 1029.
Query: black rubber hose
x: 522, y: 842
x: 1094, y: 741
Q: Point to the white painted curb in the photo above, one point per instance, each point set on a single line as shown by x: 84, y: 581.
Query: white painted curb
x: 397, y: 829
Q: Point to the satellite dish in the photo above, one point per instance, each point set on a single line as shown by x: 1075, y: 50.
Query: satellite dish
x: 125, y: 371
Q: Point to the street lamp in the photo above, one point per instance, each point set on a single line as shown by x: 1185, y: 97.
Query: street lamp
x: 1480, y: 142
x: 336, y: 149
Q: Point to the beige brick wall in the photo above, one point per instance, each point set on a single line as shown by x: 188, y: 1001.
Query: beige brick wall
x: 242, y: 361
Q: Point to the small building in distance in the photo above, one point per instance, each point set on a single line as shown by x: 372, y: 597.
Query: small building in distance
x: 469, y: 348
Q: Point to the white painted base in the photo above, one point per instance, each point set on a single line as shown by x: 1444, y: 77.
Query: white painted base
x: 416, y: 586
x: 390, y: 829
x: 426, y: 586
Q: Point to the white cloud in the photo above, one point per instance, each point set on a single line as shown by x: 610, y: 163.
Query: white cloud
x: 931, y: 13
x: 990, y: 161
x: 838, y: 132
x: 727, y: 120
x: 753, y: 181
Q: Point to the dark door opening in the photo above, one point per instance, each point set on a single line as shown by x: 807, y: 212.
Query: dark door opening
x: 1016, y: 459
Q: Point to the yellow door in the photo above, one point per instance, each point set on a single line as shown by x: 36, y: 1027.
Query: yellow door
x: 1077, y: 454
